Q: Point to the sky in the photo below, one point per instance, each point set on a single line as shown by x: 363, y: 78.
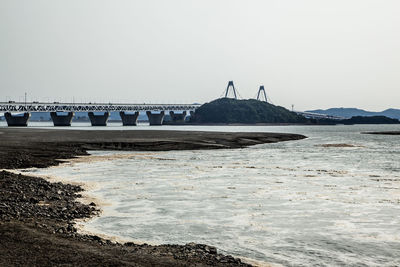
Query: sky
x: 309, y: 53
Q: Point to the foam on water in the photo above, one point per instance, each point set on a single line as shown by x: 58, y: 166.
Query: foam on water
x: 290, y: 203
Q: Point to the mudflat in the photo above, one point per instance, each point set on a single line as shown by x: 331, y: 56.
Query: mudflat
x: 25, y: 147
x: 37, y: 218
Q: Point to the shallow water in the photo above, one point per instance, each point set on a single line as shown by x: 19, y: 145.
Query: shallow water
x: 293, y: 203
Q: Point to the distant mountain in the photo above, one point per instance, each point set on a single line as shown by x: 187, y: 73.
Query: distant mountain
x: 352, y: 112
x: 391, y: 113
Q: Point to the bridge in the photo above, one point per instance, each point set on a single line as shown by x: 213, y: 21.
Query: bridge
x: 311, y: 115
x: 128, y: 119
x: 129, y: 113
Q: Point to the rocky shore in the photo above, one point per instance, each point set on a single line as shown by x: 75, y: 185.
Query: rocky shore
x: 37, y: 218
x: 37, y: 228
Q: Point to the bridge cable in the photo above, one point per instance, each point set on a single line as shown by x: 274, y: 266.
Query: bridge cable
x: 223, y: 94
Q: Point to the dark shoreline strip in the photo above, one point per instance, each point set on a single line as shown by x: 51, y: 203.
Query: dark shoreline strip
x: 384, y: 133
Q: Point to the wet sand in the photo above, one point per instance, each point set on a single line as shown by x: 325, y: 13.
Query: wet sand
x: 37, y: 218
x: 24, y: 147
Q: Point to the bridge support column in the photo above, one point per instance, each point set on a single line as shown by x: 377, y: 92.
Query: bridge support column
x: 99, y: 120
x: 177, y: 118
x: 17, y: 120
x: 62, y: 120
x: 129, y: 119
x: 155, y: 119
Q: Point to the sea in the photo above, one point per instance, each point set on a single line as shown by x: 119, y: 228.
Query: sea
x: 332, y: 199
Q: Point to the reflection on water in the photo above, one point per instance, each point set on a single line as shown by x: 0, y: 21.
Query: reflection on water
x: 294, y: 203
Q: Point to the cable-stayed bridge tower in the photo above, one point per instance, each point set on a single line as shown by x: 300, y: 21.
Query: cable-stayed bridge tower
x: 261, y: 93
x: 230, y: 85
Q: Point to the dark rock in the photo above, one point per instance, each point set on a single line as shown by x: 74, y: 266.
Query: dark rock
x: 211, y: 250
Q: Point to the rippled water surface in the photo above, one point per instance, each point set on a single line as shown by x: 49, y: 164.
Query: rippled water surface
x: 291, y: 203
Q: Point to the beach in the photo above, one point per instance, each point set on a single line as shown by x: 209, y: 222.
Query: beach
x: 38, y: 218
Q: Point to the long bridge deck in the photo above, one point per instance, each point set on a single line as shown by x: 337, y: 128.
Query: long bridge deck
x: 90, y: 107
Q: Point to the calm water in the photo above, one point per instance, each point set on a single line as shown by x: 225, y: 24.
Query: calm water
x: 291, y: 203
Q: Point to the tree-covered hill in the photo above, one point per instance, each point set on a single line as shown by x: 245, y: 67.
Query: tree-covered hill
x: 370, y: 120
x: 227, y: 110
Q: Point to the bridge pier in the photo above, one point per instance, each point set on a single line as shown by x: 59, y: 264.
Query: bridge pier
x: 178, y: 118
x: 129, y: 119
x: 61, y: 120
x: 99, y: 120
x: 17, y: 120
x: 155, y: 119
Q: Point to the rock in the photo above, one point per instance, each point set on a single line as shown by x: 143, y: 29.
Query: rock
x: 210, y: 249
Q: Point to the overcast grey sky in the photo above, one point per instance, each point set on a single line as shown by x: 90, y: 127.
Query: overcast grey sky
x: 313, y: 54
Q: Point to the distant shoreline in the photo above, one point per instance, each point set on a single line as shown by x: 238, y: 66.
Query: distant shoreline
x: 384, y: 133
